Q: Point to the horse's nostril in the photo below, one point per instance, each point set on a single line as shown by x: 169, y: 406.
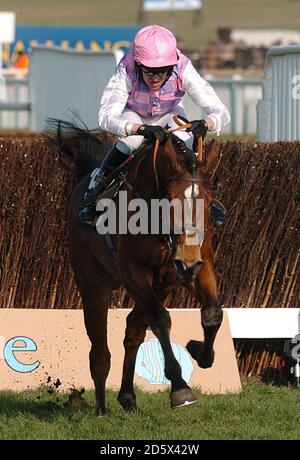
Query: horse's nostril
x: 180, y: 265
x: 196, y: 267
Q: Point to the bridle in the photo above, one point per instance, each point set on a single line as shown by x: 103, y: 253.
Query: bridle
x: 171, y: 239
x: 181, y: 125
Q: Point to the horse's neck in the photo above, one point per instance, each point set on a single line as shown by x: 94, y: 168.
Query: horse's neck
x: 142, y: 176
x: 146, y: 174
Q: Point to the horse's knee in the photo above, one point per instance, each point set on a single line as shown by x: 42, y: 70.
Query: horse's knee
x: 99, y: 363
x: 133, y: 342
x: 135, y: 332
x: 161, y: 319
x: 211, y: 317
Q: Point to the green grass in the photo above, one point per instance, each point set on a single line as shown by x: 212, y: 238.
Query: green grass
x: 258, y: 412
x: 216, y: 13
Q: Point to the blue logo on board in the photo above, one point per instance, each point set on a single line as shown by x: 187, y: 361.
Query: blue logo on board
x: 150, y: 362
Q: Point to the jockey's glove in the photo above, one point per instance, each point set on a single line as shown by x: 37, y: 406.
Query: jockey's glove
x: 153, y: 132
x: 199, y: 128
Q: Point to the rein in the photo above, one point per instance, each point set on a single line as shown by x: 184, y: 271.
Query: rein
x: 181, y: 125
x: 170, y: 240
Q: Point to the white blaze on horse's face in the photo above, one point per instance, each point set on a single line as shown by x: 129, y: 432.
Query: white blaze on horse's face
x: 188, y: 260
x: 193, y: 225
x: 188, y: 191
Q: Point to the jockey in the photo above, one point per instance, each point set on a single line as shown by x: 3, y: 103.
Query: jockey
x: 142, y: 97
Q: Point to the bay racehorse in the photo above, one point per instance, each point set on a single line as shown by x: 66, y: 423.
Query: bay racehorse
x: 147, y: 265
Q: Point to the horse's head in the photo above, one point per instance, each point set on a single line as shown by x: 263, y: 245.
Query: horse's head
x: 185, y: 181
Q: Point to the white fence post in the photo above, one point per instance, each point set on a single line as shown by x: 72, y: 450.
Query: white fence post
x: 278, y: 112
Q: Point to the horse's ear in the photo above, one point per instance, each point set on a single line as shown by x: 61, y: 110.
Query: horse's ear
x: 212, y: 157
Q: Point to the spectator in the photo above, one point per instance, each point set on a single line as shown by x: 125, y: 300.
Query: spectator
x: 211, y: 58
x: 226, y: 48
x: 22, y: 61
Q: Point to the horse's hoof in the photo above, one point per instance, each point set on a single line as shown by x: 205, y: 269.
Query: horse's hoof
x: 183, y: 397
x: 100, y: 412
x: 127, y: 401
x: 196, y: 350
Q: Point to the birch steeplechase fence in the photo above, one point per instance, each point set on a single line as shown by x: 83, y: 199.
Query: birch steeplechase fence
x: 257, y: 252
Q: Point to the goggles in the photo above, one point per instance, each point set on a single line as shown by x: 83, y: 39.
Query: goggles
x: 160, y: 71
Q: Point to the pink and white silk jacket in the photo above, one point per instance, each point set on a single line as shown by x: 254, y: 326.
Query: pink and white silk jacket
x: 127, y: 90
x: 148, y: 103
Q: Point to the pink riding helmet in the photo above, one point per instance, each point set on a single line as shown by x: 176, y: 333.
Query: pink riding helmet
x: 155, y: 46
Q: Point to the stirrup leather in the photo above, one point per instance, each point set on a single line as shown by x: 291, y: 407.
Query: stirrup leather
x: 217, y: 213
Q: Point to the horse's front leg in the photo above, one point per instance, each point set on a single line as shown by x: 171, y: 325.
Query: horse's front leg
x: 211, y: 316
x: 134, y: 336
x: 160, y: 322
x: 138, y: 282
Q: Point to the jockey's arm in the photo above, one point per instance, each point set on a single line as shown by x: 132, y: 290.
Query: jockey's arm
x: 113, y: 102
x: 209, y: 121
x: 203, y: 95
x: 116, y: 93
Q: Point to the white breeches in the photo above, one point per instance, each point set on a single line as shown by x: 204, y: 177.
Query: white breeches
x: 131, y: 143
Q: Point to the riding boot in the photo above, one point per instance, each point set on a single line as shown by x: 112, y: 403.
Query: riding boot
x: 87, y: 211
x: 217, y: 213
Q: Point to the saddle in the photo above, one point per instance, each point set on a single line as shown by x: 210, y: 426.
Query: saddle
x: 112, y: 189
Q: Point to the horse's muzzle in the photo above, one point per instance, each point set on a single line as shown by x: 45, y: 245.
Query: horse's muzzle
x: 185, y: 273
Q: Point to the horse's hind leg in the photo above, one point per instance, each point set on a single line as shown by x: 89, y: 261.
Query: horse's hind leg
x: 95, y: 286
x: 95, y: 299
x: 134, y: 336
